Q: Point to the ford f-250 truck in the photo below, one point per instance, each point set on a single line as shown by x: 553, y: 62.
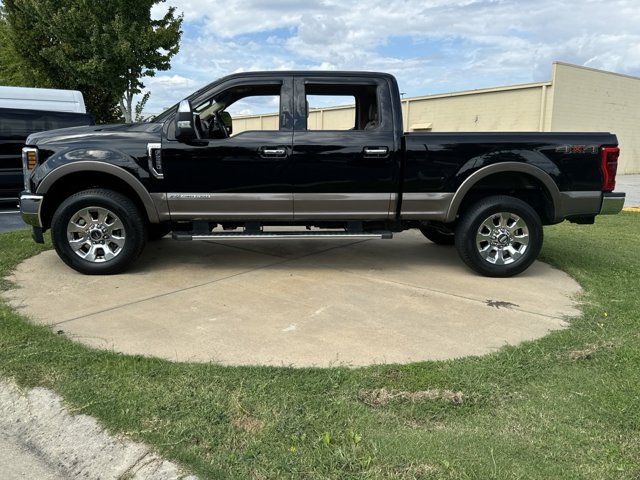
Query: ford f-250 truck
x: 103, y: 191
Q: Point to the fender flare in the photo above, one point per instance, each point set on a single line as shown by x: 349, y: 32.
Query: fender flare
x: 93, y: 166
x: 546, y: 180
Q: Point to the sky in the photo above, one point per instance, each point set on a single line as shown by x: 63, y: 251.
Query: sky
x: 431, y: 46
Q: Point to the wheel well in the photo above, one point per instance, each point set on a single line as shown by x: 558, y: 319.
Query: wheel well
x: 79, y: 181
x: 516, y: 184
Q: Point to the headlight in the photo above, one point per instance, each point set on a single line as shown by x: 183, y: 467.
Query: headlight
x: 29, y: 162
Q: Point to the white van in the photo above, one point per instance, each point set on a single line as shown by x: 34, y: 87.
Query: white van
x: 24, y: 111
x: 42, y: 99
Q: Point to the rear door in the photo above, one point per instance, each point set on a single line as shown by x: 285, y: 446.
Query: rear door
x: 345, y: 162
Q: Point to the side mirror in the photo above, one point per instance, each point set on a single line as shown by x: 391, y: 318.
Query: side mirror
x: 185, y: 130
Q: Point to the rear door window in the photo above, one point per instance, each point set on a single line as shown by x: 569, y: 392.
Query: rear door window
x: 331, y: 112
x: 346, y: 107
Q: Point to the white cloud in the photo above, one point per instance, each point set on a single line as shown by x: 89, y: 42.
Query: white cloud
x: 430, y: 45
x: 166, y: 90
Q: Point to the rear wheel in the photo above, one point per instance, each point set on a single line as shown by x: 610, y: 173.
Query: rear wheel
x: 499, y: 236
x: 438, y: 235
x: 98, y: 232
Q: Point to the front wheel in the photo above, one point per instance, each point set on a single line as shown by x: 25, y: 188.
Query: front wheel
x: 500, y: 236
x: 98, y: 232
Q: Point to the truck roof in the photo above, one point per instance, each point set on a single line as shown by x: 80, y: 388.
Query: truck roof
x: 299, y: 73
x: 315, y: 73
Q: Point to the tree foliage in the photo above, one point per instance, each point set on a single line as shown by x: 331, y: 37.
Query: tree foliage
x: 11, y: 66
x: 140, y: 106
x: 103, y: 48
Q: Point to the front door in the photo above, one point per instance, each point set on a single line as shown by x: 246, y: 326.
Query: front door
x: 345, y: 164
x: 244, y: 176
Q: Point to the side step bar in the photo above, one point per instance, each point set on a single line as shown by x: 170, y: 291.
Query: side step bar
x: 225, y: 236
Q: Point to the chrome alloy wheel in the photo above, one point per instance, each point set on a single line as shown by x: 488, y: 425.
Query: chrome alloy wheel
x: 502, y: 239
x: 96, y: 234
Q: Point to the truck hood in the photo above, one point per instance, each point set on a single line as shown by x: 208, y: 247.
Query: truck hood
x: 84, y: 134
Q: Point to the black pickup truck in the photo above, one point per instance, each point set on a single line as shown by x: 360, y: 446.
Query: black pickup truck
x: 105, y: 190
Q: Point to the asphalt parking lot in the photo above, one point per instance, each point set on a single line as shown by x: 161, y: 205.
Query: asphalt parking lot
x: 10, y: 217
x: 631, y: 185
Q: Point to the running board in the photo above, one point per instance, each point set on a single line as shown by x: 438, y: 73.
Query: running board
x: 224, y: 236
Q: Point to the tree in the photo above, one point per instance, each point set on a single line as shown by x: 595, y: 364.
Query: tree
x: 140, y: 106
x: 11, y: 71
x: 103, y: 48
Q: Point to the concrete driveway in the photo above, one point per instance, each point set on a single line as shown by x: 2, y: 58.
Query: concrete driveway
x: 313, y: 303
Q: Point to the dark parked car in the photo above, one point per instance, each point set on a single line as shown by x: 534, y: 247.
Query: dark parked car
x: 15, y: 126
x: 104, y: 190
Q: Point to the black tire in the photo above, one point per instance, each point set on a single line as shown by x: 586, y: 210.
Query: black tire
x: 157, y: 231
x: 125, y: 209
x: 439, y: 236
x: 469, y: 226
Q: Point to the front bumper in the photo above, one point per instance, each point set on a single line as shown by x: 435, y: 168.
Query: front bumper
x: 612, y: 203
x: 30, y: 207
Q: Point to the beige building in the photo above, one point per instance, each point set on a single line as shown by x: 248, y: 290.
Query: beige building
x: 576, y: 99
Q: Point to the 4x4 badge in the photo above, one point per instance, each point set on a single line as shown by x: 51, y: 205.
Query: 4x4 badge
x: 577, y: 149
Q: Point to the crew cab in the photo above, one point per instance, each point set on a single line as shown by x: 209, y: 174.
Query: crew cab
x: 105, y: 190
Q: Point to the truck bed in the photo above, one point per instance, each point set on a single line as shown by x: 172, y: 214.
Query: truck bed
x: 441, y: 161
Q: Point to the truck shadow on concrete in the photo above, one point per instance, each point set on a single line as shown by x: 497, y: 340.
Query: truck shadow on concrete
x: 296, y: 254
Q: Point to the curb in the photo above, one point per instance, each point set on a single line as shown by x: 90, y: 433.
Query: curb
x: 76, y: 445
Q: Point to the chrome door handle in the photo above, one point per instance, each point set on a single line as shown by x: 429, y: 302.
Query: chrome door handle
x: 277, y: 152
x: 376, y: 151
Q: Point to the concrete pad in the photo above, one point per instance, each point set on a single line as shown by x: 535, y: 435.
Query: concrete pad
x: 298, y: 303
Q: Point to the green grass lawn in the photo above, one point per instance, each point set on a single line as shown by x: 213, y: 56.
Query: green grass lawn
x: 565, y: 406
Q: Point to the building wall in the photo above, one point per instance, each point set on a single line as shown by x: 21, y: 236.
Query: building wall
x: 594, y: 100
x: 517, y: 108
x: 576, y: 99
x: 336, y: 118
x: 255, y: 122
